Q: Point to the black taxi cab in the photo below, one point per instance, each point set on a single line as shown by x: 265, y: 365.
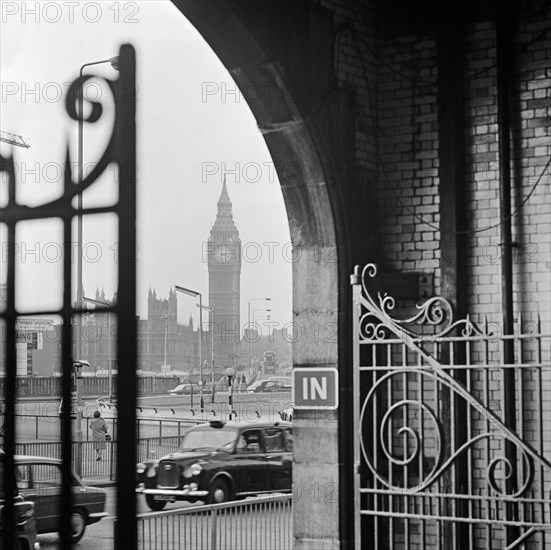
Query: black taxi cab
x: 220, y: 461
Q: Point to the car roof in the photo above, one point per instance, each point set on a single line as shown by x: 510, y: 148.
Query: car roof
x: 28, y: 459
x: 244, y: 425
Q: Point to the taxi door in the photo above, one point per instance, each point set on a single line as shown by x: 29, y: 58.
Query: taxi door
x: 250, y: 468
x: 279, y: 454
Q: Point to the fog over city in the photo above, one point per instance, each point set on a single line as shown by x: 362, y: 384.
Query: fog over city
x: 194, y: 128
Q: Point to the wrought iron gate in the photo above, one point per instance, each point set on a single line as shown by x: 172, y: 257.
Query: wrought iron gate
x: 119, y: 152
x: 437, y: 466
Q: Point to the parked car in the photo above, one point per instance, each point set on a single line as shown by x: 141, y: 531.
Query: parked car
x: 39, y: 481
x: 184, y: 389
x: 25, y: 529
x: 268, y: 386
x: 220, y: 461
x: 25, y: 524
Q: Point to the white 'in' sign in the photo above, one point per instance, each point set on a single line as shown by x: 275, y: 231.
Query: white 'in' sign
x: 317, y: 390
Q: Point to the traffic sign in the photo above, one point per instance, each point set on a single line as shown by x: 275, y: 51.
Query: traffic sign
x: 316, y: 388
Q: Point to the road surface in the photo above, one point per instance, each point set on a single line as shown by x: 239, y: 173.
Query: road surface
x: 261, y: 529
x: 100, y: 535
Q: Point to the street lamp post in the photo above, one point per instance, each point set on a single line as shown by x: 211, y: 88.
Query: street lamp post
x: 109, y: 360
x: 109, y: 368
x: 80, y: 290
x: 194, y: 293
x: 76, y: 398
x: 230, y: 373
x: 211, y: 309
x: 165, y: 319
x: 255, y: 311
x: 249, y: 329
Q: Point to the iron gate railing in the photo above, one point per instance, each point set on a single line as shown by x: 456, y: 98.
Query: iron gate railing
x: 436, y: 465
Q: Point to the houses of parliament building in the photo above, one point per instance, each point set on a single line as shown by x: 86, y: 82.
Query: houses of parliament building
x: 165, y: 343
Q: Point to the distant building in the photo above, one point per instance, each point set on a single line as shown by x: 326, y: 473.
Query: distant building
x: 224, y: 265
x: 99, y: 337
x: 162, y: 340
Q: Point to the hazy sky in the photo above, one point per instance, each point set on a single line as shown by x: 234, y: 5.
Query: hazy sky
x: 190, y: 127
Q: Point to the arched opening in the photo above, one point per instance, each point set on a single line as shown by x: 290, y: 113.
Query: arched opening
x: 304, y: 118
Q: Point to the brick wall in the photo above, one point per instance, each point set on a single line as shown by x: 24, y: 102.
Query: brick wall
x: 395, y: 79
x: 408, y: 176
x: 532, y: 151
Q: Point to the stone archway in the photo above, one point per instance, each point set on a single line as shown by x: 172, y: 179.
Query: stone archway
x: 305, y: 121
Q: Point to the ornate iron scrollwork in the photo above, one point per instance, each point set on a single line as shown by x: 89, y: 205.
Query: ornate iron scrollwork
x: 62, y: 205
x: 378, y: 327
x: 386, y: 432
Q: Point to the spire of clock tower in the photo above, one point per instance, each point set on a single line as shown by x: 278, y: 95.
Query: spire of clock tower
x: 224, y: 227
x: 224, y: 202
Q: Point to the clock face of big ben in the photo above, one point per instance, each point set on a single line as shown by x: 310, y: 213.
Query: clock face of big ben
x: 222, y: 254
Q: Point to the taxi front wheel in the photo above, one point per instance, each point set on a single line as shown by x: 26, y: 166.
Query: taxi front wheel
x: 219, y: 492
x: 155, y: 505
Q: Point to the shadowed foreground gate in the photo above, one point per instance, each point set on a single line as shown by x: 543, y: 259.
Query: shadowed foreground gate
x: 60, y: 212
x: 436, y: 465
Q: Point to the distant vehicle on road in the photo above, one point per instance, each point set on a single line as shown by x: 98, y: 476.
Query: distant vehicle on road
x: 39, y: 481
x: 270, y: 385
x: 184, y: 389
x: 220, y: 461
x: 187, y: 388
x: 269, y: 365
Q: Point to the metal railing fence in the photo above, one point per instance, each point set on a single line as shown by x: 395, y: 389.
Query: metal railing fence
x: 92, y: 386
x: 49, y: 426
x: 256, y: 524
x: 85, y: 453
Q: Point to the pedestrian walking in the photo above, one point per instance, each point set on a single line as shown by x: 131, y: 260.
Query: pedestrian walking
x: 99, y: 433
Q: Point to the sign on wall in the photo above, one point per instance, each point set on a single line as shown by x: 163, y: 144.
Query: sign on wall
x: 316, y: 388
x: 21, y: 359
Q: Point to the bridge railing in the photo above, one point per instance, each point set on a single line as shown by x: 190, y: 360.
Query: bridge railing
x: 92, y: 386
x: 48, y: 426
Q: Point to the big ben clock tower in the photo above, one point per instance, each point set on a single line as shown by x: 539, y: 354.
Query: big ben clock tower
x: 224, y: 264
